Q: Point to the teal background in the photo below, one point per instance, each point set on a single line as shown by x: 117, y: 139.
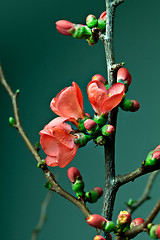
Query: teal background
x: 40, y: 61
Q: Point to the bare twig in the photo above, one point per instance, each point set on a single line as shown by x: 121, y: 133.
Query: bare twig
x: 143, y: 226
x: 43, y: 215
x: 121, y: 180
x: 115, y: 3
x: 145, y: 195
x: 48, y: 174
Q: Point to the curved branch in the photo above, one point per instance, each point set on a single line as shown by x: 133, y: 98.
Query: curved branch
x: 143, y: 226
x: 145, y: 195
x: 48, y: 174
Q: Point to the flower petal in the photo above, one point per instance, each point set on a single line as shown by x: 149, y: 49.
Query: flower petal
x: 49, y: 144
x: 51, y: 161
x: 65, y: 155
x: 64, y: 137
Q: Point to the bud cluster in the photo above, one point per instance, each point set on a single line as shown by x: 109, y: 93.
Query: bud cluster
x: 75, y: 178
x: 90, y: 31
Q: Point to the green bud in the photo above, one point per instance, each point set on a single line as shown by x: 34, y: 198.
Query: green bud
x: 41, y: 164
x: 126, y: 104
x: 91, y: 21
x: 48, y: 185
x: 102, y: 25
x: 82, y: 32
x: 152, y: 232
x: 101, y: 120
x: 11, y: 121
x: 17, y: 91
x: 82, y: 139
x: 109, y: 227
x: 92, y: 196
x: 149, y: 160
x: 100, y: 140
x: 78, y: 186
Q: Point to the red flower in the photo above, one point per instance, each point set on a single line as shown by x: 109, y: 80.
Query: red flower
x: 103, y: 100
x: 64, y: 27
x: 124, y: 75
x: 57, y: 143
x: 69, y: 103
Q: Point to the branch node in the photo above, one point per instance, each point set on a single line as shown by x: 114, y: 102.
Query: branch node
x: 115, y: 67
x: 116, y: 3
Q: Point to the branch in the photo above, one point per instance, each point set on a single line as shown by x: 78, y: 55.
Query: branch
x: 143, y: 226
x: 115, y: 3
x: 121, y: 180
x: 43, y: 215
x: 48, y: 174
x: 145, y: 196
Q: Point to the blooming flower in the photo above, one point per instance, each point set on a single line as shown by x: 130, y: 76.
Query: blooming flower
x: 124, y: 75
x: 69, y: 103
x: 103, y: 100
x: 58, y: 143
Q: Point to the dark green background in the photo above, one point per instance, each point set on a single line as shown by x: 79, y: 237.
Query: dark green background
x: 40, y: 61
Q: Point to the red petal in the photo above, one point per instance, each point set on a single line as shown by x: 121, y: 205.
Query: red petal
x: 49, y: 144
x: 68, y: 104
x: 65, y: 155
x: 51, y: 161
x: 64, y: 137
x: 79, y: 94
x: 64, y: 24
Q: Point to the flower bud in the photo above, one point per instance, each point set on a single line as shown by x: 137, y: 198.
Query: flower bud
x: 98, y: 237
x: 153, y: 157
x: 90, y: 124
x: 93, y: 195
x: 109, y: 227
x: 103, y: 16
x: 153, y: 232
x: 82, y: 139
x: 78, y: 186
x: 124, y: 218
x: 130, y: 105
x: 74, y: 174
x: 65, y: 27
x: 136, y: 222
x: 100, y: 140
x: 81, y: 32
x: 91, y: 21
x: 108, y: 130
x: 100, y: 78
x: 124, y: 75
x: 11, y: 121
x: 158, y: 231
x: 96, y: 221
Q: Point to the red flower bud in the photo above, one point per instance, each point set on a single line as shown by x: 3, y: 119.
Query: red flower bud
x: 96, y: 221
x: 108, y: 130
x: 135, y: 105
x: 99, y: 191
x: 73, y: 174
x: 100, y: 78
x: 124, y: 75
x: 89, y: 124
x: 64, y: 27
x: 158, y: 231
x: 136, y: 222
x: 124, y: 217
x: 99, y: 237
x: 103, y: 16
x: 156, y: 155
x: 153, y: 231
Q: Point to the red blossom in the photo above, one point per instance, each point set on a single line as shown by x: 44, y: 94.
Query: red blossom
x: 69, y: 103
x: 103, y: 100
x: 124, y: 75
x: 58, y: 143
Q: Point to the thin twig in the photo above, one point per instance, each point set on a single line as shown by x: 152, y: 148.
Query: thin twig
x: 145, y: 195
x: 48, y: 174
x: 43, y: 215
x: 143, y: 226
x: 121, y: 180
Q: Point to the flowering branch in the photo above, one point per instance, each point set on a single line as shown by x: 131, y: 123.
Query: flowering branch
x: 48, y: 174
x: 145, y: 195
x: 43, y: 216
x: 143, y: 226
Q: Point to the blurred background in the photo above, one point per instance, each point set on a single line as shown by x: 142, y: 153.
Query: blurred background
x: 40, y: 62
